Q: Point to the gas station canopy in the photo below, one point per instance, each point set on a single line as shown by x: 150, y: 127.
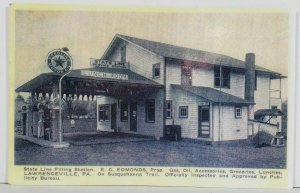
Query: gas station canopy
x: 91, y: 81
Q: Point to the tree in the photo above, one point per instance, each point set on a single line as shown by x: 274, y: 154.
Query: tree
x: 19, y: 97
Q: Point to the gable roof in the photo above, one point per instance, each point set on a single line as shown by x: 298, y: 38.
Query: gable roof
x: 183, y: 53
x: 213, y: 95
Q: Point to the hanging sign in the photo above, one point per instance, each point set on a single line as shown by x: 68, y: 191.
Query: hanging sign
x: 59, y: 61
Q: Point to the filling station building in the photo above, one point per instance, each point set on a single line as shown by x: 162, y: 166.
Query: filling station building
x: 141, y: 86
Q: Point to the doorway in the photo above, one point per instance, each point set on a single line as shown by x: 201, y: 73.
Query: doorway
x: 133, y: 116
x: 203, y: 121
x: 113, y: 117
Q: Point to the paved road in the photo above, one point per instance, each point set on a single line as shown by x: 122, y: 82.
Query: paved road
x: 152, y: 153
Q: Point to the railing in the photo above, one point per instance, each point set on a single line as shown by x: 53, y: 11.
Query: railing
x: 275, y: 94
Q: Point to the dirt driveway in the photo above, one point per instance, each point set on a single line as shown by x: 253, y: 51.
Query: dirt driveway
x: 152, y: 153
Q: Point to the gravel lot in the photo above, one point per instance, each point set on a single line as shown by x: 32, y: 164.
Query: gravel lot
x: 152, y: 153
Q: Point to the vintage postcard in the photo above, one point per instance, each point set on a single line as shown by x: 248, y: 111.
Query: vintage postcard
x: 149, y: 96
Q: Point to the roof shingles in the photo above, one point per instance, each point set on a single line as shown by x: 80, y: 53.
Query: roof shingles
x: 177, y: 52
x: 213, y: 95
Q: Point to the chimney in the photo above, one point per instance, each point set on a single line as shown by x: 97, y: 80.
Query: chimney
x: 250, y: 77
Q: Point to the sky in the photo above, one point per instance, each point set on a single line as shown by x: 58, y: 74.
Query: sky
x: 88, y: 33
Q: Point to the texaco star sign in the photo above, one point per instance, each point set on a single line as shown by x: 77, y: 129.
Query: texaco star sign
x: 59, y: 61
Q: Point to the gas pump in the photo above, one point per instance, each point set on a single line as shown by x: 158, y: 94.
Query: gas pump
x: 44, y: 123
x: 40, y: 131
x: 47, y: 124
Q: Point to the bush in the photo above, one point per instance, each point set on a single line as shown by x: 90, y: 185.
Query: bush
x: 262, y: 138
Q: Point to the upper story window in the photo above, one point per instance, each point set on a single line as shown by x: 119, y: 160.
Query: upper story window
x: 222, y: 77
x: 123, y: 54
x: 156, y: 70
x: 186, y: 74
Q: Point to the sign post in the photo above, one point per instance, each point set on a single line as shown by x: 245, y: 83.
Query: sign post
x: 60, y: 62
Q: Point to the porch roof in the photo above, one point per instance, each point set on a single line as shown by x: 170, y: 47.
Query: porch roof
x: 111, y: 76
x: 213, y: 95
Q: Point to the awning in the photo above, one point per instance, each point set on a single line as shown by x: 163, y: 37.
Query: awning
x: 214, y: 95
x: 268, y: 112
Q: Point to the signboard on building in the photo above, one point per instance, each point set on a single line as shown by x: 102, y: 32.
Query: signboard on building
x: 108, y: 64
x: 108, y: 75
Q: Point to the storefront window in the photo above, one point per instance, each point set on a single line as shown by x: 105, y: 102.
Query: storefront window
x: 124, y: 111
x: 183, y: 111
x: 150, y: 110
x: 103, y: 112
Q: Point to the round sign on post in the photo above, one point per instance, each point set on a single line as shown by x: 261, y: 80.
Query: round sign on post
x: 59, y: 61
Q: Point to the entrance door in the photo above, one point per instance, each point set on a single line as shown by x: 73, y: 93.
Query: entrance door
x: 133, y: 117
x: 203, y: 121
x: 24, y: 119
x: 113, y: 117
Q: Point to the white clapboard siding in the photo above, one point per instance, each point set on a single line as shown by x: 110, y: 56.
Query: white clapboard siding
x: 203, y: 77
x: 237, y: 81
x: 152, y: 129
x: 140, y: 60
x: 173, y: 72
x: 231, y: 128
x: 189, y: 125
x: 237, y: 85
x: 262, y: 94
x: 156, y: 128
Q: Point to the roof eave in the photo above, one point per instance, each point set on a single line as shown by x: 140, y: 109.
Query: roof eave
x: 109, y: 47
x: 235, y: 103
x: 120, y: 36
